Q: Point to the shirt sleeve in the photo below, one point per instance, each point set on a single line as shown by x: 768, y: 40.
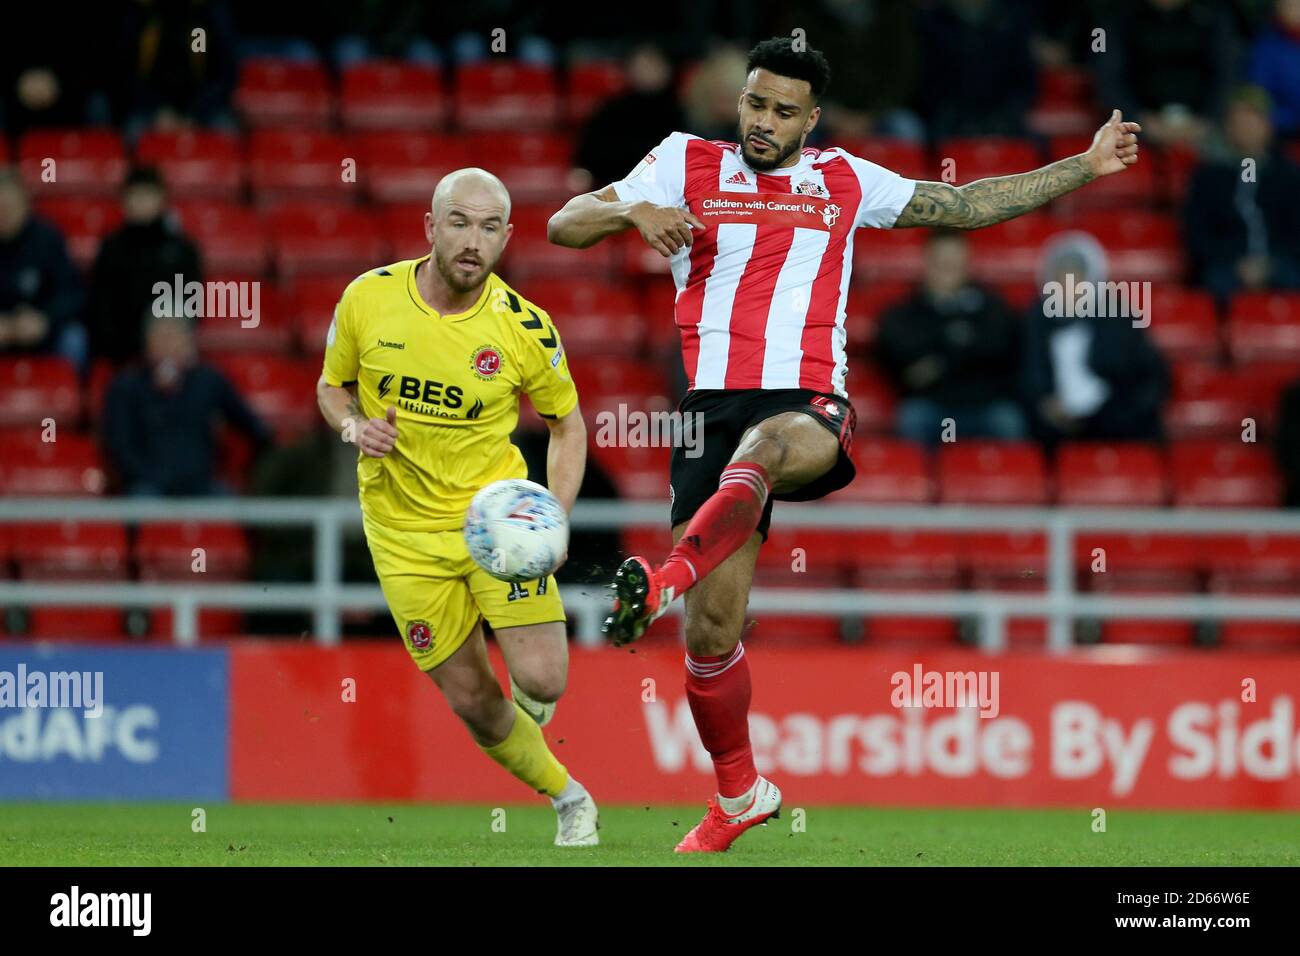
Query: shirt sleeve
x: 660, y: 177
x: 884, y: 193
x: 342, y: 360
x: 546, y: 378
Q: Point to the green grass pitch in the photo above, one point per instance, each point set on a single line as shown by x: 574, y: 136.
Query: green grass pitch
x: 64, y: 834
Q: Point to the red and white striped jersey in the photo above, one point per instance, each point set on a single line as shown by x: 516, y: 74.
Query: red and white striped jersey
x: 761, y: 292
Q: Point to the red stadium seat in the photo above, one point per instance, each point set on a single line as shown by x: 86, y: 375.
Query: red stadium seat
x: 1264, y: 326
x: 1210, y: 403
x: 1005, y: 560
x: 100, y: 624
x: 72, y: 550
x: 1141, y: 246
x: 1140, y: 631
x: 403, y: 225
x: 593, y: 317
x: 1177, y: 163
x: 1064, y: 105
x: 70, y: 465
x: 1138, y: 562
x: 889, y: 472
x: 1012, y: 251
x: 392, y: 95
x: 168, y: 552
x: 899, y: 155
x: 231, y: 238
x: 1136, y: 187
x: 283, y: 93
x: 310, y: 238
x: 866, y: 305
x: 534, y: 166
x: 405, y: 166
x: 637, y: 472
x: 588, y: 85
x: 268, y: 329
x: 965, y: 160
x: 1183, y: 323
x: 72, y: 162
x: 1261, y: 635
x: 766, y: 629
x: 985, y: 472
x: 1256, y: 563
x: 906, y: 560
x: 33, y: 389
x: 279, y: 389
x: 301, y: 164
x: 880, y: 254
x: 1224, y: 475
x: 873, y: 399
x: 198, y: 164
x: 530, y: 254
x: 506, y: 95
x: 311, y: 301
x: 910, y: 632
x: 604, y: 383
x: 84, y: 222
x: 1090, y: 474
x: 212, y: 622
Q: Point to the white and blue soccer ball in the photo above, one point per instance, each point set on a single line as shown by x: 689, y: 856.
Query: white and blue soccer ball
x: 516, y: 530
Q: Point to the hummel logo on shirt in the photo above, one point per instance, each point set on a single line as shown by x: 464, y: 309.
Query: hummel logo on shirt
x: 391, y: 345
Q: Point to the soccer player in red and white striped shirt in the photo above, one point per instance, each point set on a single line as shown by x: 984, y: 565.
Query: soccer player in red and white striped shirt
x: 759, y: 236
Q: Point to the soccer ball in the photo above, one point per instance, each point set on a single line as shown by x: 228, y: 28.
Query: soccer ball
x: 516, y: 530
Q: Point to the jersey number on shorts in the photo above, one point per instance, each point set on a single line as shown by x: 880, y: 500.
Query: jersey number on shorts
x: 521, y: 592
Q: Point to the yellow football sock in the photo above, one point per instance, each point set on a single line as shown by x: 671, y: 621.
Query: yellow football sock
x: 525, y: 754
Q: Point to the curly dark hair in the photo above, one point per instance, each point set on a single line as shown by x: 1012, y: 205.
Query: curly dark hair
x: 779, y: 56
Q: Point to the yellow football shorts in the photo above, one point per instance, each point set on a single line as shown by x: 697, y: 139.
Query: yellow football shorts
x: 437, y: 593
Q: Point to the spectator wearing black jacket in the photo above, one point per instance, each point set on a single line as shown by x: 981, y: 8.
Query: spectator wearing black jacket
x: 1088, y: 376
x: 1242, y: 222
x: 953, y: 351
x: 40, y: 291
x: 160, y: 417
x: 148, y: 248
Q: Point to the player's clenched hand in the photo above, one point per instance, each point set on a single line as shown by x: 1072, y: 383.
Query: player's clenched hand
x: 664, y: 228
x: 1114, y: 147
x: 377, y: 436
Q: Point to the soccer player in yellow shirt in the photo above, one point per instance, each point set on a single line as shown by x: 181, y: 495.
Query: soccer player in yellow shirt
x: 424, y: 364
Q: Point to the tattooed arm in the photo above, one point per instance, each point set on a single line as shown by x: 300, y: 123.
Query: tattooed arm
x: 988, y: 201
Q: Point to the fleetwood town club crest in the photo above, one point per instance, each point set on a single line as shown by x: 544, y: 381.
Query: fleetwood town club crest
x: 486, y: 362
x: 420, y: 635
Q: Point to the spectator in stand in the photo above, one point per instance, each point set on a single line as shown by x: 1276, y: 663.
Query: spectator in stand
x: 873, y: 48
x: 952, y: 350
x: 977, y: 68
x: 160, y: 417
x: 1242, y: 222
x: 1087, y: 376
x: 167, y: 76
x: 40, y: 291
x: 146, y: 249
x: 614, y: 138
x: 1275, y: 66
x: 1169, y: 64
x: 47, y: 76
x: 712, y: 95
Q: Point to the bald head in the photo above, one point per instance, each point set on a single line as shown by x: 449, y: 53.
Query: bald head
x: 467, y: 226
x: 474, y: 188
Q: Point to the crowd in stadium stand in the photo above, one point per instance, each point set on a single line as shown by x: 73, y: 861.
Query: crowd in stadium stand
x: 204, y: 139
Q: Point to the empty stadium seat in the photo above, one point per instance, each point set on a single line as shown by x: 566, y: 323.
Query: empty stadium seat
x: 392, y: 95
x: 505, y: 95
x: 1064, y: 104
x: 1139, y: 562
x: 593, y: 317
x: 301, y: 164
x: 36, y: 388
x: 906, y: 560
x: 73, y: 162
x: 888, y: 472
x: 1210, y: 403
x: 588, y: 85
x: 1264, y: 327
x: 1135, y: 188
x: 1012, y: 251
x: 873, y: 399
x: 1255, y: 563
x: 201, y: 164
x: 168, y: 551
x: 880, y: 254
x: 84, y: 222
x: 766, y: 629
x: 964, y: 160
x: 901, y: 156
x: 637, y: 472
x: 267, y: 329
x: 231, y: 238
x: 1090, y: 474
x: 311, y: 301
x: 71, y: 550
x: 70, y: 465
x: 310, y: 238
x: 867, y: 303
x: 1005, y: 560
x: 1156, y: 633
x: 991, y: 473
x: 279, y: 389
x: 404, y: 166
x: 530, y: 254
x: 1183, y: 323
x: 403, y: 225
x: 534, y: 165
x: 1260, y: 636
x: 1140, y: 245
x: 98, y: 624
x: 1224, y: 475
x: 910, y: 632
x: 274, y: 92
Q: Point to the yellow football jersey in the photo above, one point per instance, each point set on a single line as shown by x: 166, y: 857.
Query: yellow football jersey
x: 455, y: 380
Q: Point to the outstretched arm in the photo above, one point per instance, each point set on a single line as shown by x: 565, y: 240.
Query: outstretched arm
x: 589, y: 218
x: 988, y: 201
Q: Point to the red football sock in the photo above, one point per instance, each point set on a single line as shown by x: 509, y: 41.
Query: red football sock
x: 721, y: 526
x: 718, y: 689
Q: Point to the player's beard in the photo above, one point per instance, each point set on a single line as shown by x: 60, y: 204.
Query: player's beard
x: 770, y: 162
x: 455, y: 278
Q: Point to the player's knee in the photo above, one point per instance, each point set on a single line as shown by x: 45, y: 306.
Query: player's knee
x: 546, y: 686
x: 713, y: 629
x: 478, y: 705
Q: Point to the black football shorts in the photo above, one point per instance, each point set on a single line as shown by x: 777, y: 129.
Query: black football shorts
x: 725, y: 416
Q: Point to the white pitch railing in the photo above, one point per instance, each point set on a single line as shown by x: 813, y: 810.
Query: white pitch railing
x: 327, y: 597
